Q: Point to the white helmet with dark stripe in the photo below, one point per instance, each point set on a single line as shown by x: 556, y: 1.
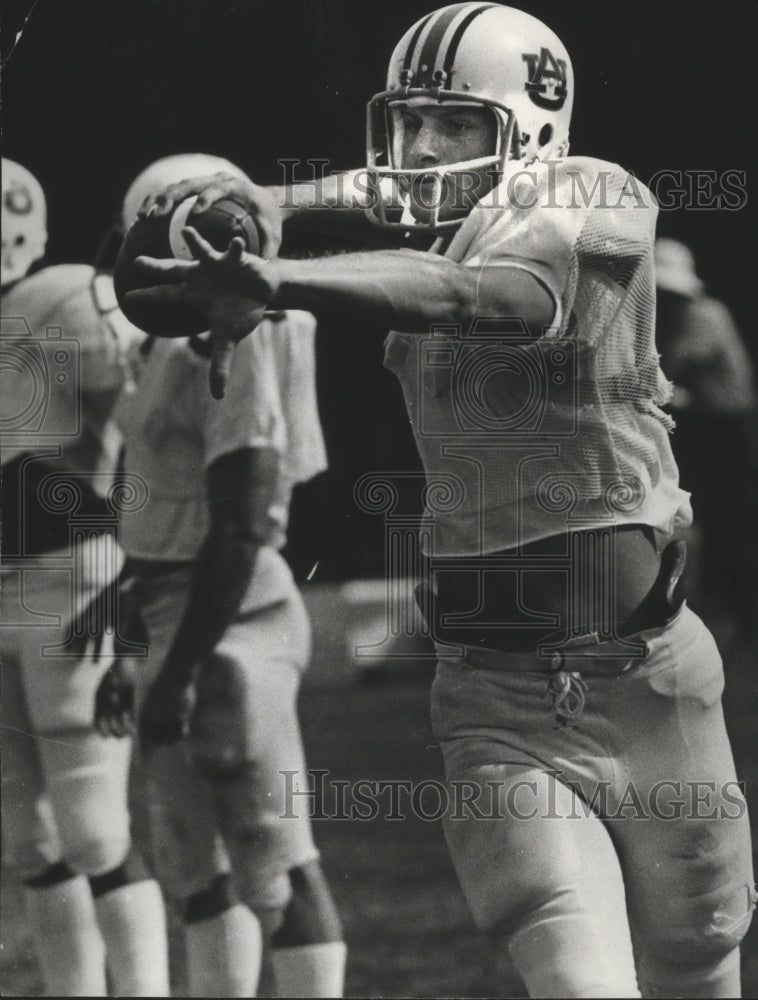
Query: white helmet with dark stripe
x: 479, y: 54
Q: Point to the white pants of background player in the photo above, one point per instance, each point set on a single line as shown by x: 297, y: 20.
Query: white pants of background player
x: 216, y: 802
x: 64, y: 787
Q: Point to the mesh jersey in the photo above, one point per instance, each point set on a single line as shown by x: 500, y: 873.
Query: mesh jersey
x: 174, y: 430
x: 527, y: 437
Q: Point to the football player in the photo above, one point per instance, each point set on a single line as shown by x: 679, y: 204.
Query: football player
x: 572, y: 678
x: 229, y: 640
x: 91, y: 904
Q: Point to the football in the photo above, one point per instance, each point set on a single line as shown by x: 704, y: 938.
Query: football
x: 161, y: 236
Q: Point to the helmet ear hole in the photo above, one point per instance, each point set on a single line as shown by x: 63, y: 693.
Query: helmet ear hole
x: 546, y: 134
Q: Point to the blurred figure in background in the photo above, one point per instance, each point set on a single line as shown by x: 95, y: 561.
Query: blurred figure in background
x: 96, y: 915
x: 228, y: 639
x: 715, y: 405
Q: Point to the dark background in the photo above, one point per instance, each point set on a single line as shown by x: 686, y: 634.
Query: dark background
x: 94, y: 91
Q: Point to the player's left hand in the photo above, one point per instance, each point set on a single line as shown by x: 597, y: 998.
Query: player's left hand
x: 261, y: 202
x: 114, y: 701
x: 232, y: 288
x: 166, y: 713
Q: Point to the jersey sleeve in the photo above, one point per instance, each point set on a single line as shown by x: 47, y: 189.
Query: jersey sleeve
x: 291, y: 338
x: 538, y: 219
x: 250, y: 414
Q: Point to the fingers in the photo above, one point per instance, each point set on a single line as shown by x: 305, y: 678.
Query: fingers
x: 221, y: 365
x: 201, y: 249
x: 235, y: 251
x: 157, y: 295
x: 163, y: 203
x: 163, y: 270
x: 204, y: 253
x: 208, y: 189
x: 114, y: 715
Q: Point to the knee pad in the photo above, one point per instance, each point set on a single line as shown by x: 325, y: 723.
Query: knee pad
x: 30, y: 838
x: 86, y: 778
x: 723, y: 931
x: 263, y: 846
x: 253, y: 839
x: 267, y: 897
x: 702, y: 960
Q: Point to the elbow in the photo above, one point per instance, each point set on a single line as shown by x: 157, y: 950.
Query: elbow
x: 446, y: 293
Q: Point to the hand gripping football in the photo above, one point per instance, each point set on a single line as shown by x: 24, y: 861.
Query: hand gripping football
x: 161, y: 236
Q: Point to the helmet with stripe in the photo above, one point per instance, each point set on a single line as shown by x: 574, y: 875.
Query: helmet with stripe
x: 479, y: 55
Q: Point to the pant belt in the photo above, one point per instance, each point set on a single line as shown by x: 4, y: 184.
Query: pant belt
x: 588, y: 655
x: 609, y: 657
x: 586, y: 650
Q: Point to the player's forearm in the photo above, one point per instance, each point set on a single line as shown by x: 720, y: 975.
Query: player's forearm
x: 334, y: 191
x: 400, y: 289
x: 223, y: 571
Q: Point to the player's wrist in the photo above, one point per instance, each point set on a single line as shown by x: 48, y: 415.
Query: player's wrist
x: 287, y: 201
x: 270, y: 274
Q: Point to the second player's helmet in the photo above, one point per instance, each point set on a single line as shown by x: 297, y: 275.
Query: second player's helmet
x: 170, y: 170
x: 24, y: 221
x: 484, y: 55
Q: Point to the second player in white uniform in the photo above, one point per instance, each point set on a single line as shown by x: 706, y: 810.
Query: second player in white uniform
x: 228, y: 639
x: 96, y: 916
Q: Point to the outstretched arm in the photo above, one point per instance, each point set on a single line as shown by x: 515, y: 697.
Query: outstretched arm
x: 405, y: 290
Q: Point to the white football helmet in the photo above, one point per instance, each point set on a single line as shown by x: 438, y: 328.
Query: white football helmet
x: 167, y: 171
x: 477, y: 54
x: 24, y: 221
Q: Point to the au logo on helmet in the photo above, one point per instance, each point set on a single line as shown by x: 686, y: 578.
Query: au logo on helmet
x: 546, y: 85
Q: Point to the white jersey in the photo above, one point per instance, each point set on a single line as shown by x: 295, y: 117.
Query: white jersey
x: 64, y: 343
x: 527, y: 436
x: 175, y: 430
x: 64, y: 346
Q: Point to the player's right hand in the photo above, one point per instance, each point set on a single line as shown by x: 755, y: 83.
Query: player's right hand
x: 114, y: 702
x: 232, y: 289
x: 259, y: 201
